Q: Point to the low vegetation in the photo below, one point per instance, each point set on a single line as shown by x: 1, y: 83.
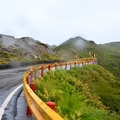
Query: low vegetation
x: 2, y: 61
x: 108, y: 55
x: 82, y: 93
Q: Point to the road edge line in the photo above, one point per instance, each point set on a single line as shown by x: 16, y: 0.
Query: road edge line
x: 6, y: 101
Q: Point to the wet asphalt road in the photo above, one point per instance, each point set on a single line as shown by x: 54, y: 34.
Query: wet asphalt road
x: 9, y: 80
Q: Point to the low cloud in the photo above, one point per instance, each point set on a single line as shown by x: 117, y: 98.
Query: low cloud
x: 53, y: 22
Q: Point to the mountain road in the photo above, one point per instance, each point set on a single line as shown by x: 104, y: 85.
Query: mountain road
x: 10, y: 89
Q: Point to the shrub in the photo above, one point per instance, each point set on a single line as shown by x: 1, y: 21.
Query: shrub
x: 77, y: 93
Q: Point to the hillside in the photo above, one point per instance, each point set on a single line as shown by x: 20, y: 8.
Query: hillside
x: 82, y: 93
x: 23, y: 49
x: 108, y: 55
x: 75, y: 47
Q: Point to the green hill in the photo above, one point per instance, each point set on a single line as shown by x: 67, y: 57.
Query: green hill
x: 108, y: 55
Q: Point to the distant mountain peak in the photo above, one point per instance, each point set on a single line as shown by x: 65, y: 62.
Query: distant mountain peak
x: 92, y: 42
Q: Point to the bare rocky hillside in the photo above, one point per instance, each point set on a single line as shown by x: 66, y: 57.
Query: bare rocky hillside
x: 23, y: 49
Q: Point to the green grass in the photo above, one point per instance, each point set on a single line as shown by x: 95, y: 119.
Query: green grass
x: 108, y: 55
x: 81, y: 93
x: 5, y: 54
x: 2, y: 61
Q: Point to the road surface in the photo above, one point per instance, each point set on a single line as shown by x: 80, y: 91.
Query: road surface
x: 10, y: 79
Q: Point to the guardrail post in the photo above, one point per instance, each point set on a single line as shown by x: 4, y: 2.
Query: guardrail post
x: 31, y: 72
x: 74, y: 64
x: 48, y: 67
x: 42, y: 71
x: 60, y: 65
x: 51, y: 105
x: 70, y: 65
x: 28, y: 111
x: 28, y: 78
x: 65, y: 66
x: 82, y: 63
x: 32, y: 86
x: 35, y: 72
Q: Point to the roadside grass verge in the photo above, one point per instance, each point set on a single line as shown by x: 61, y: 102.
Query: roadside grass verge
x: 77, y: 92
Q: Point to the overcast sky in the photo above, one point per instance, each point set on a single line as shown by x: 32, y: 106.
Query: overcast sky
x: 55, y: 21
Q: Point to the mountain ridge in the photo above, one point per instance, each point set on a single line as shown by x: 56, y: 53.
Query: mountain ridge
x: 108, y: 54
x: 22, y: 49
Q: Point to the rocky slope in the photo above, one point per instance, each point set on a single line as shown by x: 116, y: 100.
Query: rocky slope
x: 23, y: 49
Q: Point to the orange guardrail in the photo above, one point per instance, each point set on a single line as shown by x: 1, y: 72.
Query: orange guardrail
x: 39, y: 109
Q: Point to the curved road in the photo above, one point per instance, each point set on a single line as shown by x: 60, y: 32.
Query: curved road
x: 10, y: 79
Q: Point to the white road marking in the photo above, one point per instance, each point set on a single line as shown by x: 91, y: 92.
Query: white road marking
x: 5, y: 103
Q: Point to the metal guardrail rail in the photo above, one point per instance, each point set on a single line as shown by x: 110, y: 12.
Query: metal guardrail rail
x: 39, y: 109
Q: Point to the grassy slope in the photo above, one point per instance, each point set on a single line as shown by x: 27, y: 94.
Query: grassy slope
x: 108, y: 54
x: 86, y: 93
x: 108, y: 57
